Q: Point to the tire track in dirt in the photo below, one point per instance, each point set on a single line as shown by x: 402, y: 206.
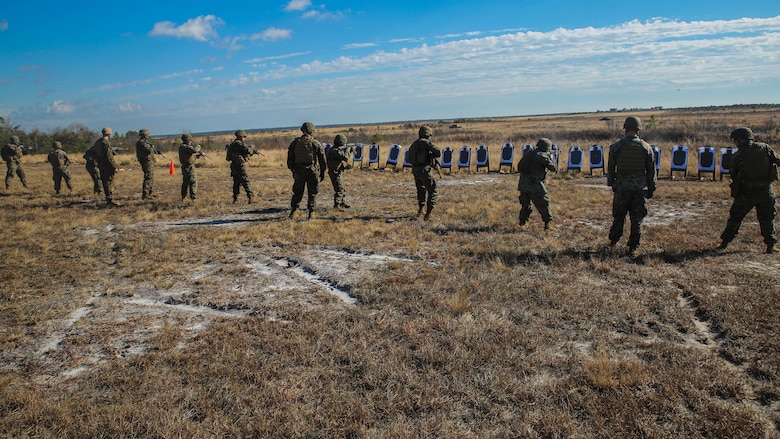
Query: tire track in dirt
x: 706, y: 337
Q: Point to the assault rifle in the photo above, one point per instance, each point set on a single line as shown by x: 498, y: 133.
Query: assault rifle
x: 158, y: 152
x: 201, y: 153
x: 26, y: 149
x: 255, y: 151
x: 116, y: 149
x: 437, y: 167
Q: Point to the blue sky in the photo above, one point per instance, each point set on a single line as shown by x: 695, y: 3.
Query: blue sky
x: 199, y: 66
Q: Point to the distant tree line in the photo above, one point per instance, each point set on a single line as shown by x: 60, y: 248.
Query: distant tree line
x: 75, y: 137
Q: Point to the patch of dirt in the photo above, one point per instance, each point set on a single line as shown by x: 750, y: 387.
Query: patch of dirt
x: 124, y: 315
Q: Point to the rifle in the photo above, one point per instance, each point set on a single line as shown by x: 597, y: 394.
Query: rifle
x: 158, y: 152
x: 437, y: 166
x: 201, y: 153
x: 255, y: 151
x: 26, y: 149
x: 116, y: 149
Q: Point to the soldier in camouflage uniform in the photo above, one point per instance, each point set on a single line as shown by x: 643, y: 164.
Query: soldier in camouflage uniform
x: 423, y: 155
x: 631, y: 174
x: 59, y: 161
x: 144, y: 151
x: 338, y: 161
x: 306, y: 160
x: 533, y: 170
x: 187, y: 155
x: 12, y: 154
x: 239, y: 153
x: 107, y: 165
x: 91, y: 164
x: 753, y: 169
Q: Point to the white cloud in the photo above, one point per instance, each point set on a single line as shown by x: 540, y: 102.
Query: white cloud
x: 60, y: 107
x: 462, y: 34
x: 273, y: 58
x: 200, y: 28
x: 359, y: 45
x: 271, y: 34
x: 3, y: 25
x: 323, y: 15
x: 129, y: 107
x: 179, y: 74
x: 297, y: 5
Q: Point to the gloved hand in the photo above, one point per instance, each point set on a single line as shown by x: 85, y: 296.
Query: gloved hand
x: 348, y: 167
x: 649, y: 193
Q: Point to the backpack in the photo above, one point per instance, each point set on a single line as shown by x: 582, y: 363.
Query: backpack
x: 755, y: 164
x: 525, y: 165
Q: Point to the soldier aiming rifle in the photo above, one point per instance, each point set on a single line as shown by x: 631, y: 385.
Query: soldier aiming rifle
x: 12, y: 154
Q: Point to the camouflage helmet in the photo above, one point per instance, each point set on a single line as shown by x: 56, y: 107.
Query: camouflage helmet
x: 240, y: 133
x: 340, y: 140
x: 743, y: 133
x: 14, y: 140
x: 186, y: 137
x: 307, y: 128
x: 144, y: 132
x: 632, y: 123
x: 544, y: 144
x: 425, y: 131
x: 107, y: 131
x: 56, y: 144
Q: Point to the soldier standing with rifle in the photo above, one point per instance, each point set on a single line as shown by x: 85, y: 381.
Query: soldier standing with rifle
x: 238, y: 153
x: 187, y: 155
x: 631, y: 170
x: 533, y: 169
x: 423, y: 155
x: 145, y: 151
x: 58, y: 159
x: 753, y: 169
x: 306, y: 160
x: 338, y: 161
x: 107, y: 165
x: 12, y: 154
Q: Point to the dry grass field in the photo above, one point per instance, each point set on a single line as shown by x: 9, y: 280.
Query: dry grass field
x: 211, y: 319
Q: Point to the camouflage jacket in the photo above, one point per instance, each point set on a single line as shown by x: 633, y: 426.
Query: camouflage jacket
x: 58, y: 159
x: 144, y: 150
x: 306, y: 151
x: 538, y: 163
x: 12, y: 152
x: 338, y: 158
x: 239, y: 152
x: 754, y: 165
x: 104, y: 154
x: 422, y: 152
x: 631, y: 165
x: 188, y: 153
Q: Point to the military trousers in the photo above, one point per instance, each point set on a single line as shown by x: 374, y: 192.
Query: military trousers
x: 763, y: 199
x: 339, y: 191
x: 60, y: 173
x: 240, y: 179
x: 94, y: 172
x: 189, y: 181
x: 107, y: 178
x: 305, y: 178
x: 633, y: 204
x: 427, y: 193
x: 14, y: 167
x: 148, y: 185
x: 542, y: 202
